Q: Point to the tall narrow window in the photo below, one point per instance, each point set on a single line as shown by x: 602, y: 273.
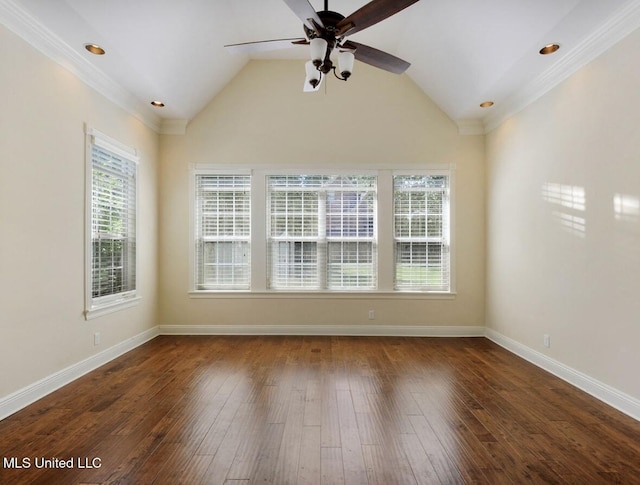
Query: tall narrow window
x: 321, y: 232
x: 421, y: 232
x: 112, y: 210
x: 222, y: 232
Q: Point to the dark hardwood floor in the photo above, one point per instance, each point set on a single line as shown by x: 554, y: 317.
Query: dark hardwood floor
x: 303, y: 410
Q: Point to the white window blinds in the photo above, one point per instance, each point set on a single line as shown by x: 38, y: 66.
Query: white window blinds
x: 321, y: 232
x: 113, y: 224
x: 421, y: 232
x: 223, y: 232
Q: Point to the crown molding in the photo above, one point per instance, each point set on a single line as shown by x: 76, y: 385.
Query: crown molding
x: 20, y: 22
x: 616, y: 28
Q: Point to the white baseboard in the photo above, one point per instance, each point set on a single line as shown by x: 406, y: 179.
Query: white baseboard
x: 28, y: 395
x: 613, y: 397
x: 326, y: 330
x: 609, y: 395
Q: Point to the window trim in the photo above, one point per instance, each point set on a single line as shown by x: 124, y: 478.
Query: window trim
x: 385, y: 249
x: 97, y: 307
x: 204, y: 169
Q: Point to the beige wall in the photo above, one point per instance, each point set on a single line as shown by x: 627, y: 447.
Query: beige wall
x: 263, y: 119
x: 563, y: 232
x: 43, y: 109
x: 562, y: 208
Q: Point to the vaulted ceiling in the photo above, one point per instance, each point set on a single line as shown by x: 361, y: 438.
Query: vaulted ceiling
x: 462, y: 52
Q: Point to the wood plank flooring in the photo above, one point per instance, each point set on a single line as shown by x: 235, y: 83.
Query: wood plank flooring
x: 319, y: 410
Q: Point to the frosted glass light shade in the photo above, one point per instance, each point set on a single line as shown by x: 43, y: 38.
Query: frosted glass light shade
x: 312, y: 74
x: 345, y: 63
x: 318, y: 50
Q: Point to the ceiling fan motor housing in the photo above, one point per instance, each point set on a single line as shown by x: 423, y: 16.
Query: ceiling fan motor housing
x: 330, y: 20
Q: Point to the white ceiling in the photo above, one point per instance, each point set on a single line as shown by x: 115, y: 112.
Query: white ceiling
x: 463, y: 52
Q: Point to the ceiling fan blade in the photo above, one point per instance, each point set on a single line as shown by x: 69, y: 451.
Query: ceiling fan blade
x: 377, y: 58
x: 372, y: 13
x: 305, y: 12
x: 266, y: 45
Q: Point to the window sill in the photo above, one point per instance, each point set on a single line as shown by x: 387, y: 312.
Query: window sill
x: 111, y: 307
x: 323, y: 295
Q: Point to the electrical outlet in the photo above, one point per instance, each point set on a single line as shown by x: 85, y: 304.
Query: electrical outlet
x: 546, y: 340
x: 96, y: 338
x: 372, y: 314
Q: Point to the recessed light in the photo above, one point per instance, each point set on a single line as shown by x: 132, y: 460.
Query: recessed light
x: 549, y: 49
x: 486, y: 104
x: 95, y: 49
x: 157, y: 104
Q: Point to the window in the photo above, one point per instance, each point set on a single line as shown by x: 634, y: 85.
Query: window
x: 263, y: 231
x: 112, y: 215
x: 321, y: 232
x: 421, y: 232
x: 223, y: 232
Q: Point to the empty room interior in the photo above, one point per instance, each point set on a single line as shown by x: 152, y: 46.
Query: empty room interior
x: 320, y: 242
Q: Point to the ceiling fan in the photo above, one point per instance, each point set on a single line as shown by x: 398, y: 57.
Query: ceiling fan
x: 327, y: 31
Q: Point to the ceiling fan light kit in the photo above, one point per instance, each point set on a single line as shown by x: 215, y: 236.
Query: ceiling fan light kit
x: 326, y: 31
x: 318, y: 47
x: 345, y: 63
x: 313, y: 76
